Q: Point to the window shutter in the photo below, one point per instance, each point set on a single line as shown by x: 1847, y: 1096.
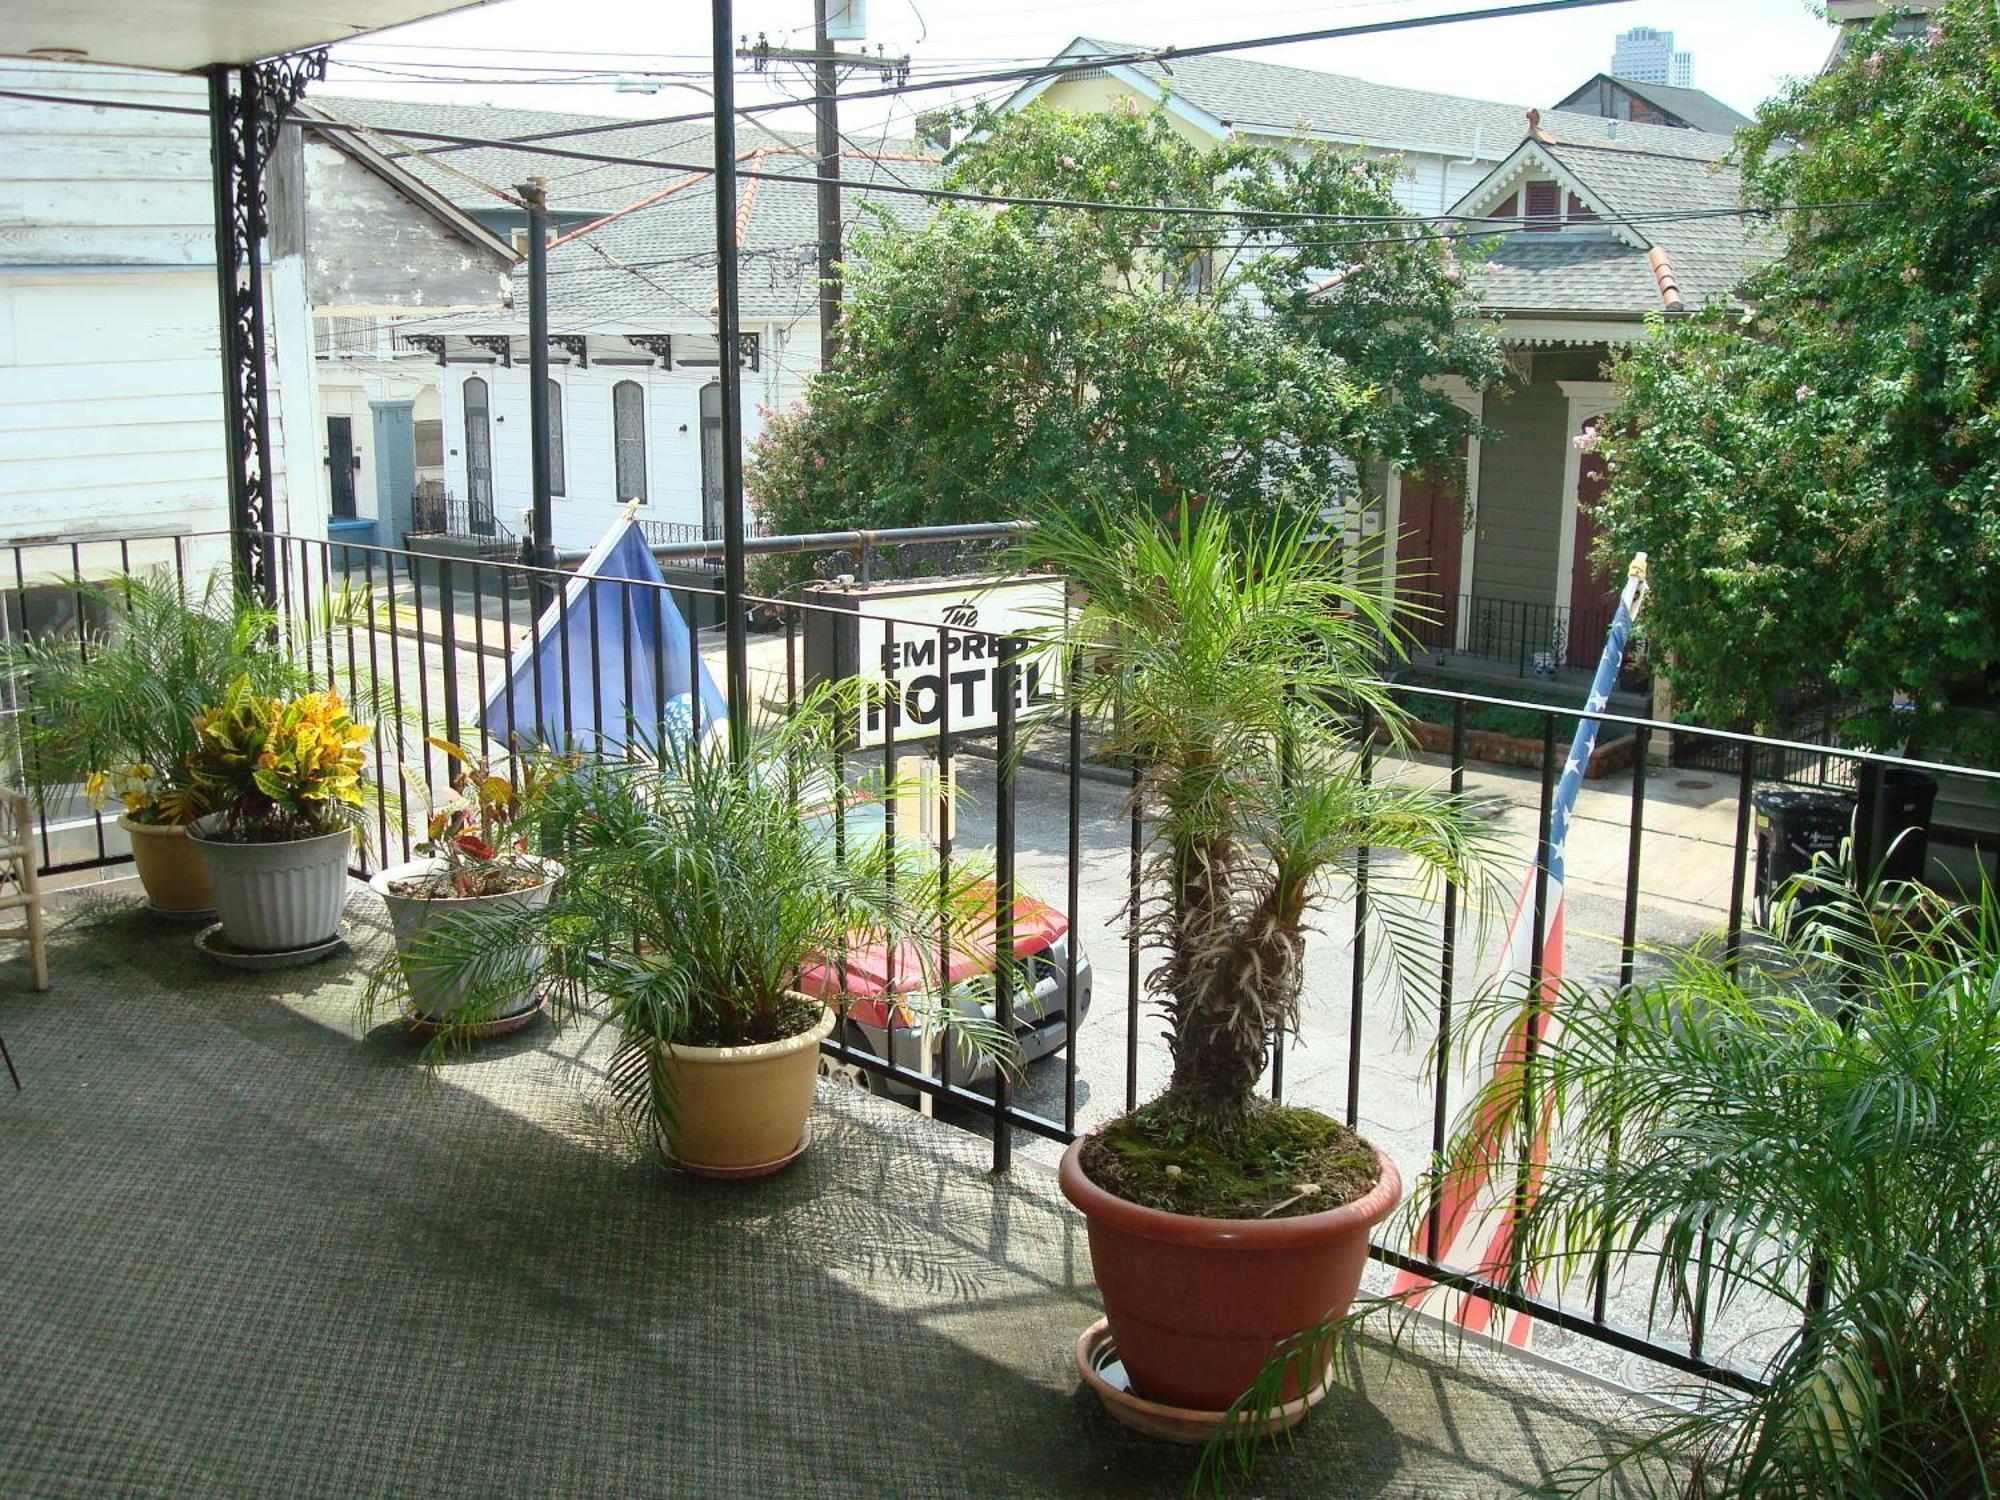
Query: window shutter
x: 628, y: 440
x: 555, y: 438
x: 428, y: 438
x: 1544, y: 206
x: 478, y: 449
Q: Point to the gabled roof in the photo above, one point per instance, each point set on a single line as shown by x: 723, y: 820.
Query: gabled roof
x: 367, y: 153
x: 639, y: 249
x: 1268, y: 98
x: 1611, y: 270
x: 573, y: 186
x: 1701, y: 110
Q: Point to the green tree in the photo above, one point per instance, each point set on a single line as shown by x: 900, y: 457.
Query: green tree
x: 1817, y: 479
x: 1040, y: 359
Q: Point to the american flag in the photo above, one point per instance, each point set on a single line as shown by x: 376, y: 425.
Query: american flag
x: 1476, y: 1216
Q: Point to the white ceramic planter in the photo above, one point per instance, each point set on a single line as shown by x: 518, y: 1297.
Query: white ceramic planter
x: 275, y: 898
x: 435, y: 997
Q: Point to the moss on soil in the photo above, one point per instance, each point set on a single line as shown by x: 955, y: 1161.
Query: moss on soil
x: 1262, y: 1168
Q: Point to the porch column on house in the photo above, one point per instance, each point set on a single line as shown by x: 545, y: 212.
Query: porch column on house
x: 1587, y: 399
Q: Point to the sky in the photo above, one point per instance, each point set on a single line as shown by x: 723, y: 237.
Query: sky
x: 1744, y: 50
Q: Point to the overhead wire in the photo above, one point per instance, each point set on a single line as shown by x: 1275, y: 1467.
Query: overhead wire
x: 999, y: 200
x: 1057, y: 68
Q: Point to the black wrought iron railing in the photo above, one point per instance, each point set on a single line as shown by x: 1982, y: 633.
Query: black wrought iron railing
x: 447, y: 515
x: 1533, y: 638
x: 1063, y: 826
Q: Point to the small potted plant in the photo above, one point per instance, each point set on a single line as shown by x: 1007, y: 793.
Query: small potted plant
x: 697, y: 888
x: 284, y: 776
x: 1231, y: 666
x: 114, y: 712
x: 476, y: 866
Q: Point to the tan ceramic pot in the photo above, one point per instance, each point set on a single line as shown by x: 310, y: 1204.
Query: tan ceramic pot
x: 171, y: 869
x: 741, y: 1111
x: 1197, y: 1305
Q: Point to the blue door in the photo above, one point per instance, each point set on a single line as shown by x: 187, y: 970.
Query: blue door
x: 395, y: 467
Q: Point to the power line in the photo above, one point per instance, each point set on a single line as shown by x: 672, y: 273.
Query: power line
x: 537, y: 147
x: 1156, y: 55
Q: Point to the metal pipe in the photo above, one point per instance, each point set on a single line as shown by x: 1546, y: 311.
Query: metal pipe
x: 542, y: 527
x: 729, y: 373
x: 826, y: 541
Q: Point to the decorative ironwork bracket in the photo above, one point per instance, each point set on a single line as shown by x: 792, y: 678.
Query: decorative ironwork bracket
x: 246, y: 110
x: 576, y: 346
x: 749, y: 352
x: 494, y: 343
x: 659, y: 345
x: 430, y: 343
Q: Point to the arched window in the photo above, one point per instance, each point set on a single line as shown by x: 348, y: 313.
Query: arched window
x: 628, y: 438
x: 478, y: 456
x: 555, y: 438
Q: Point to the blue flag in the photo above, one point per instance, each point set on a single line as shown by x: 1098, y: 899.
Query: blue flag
x: 611, y: 664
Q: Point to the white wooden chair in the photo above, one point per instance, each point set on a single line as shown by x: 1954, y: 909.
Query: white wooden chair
x: 21, y: 891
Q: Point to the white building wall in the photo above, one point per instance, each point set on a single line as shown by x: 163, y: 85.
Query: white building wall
x: 110, y: 375
x: 590, y: 502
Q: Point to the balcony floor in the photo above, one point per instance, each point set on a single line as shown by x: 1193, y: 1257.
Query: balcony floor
x: 246, y: 1249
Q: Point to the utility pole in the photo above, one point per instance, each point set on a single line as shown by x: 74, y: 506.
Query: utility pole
x: 541, y: 536
x: 729, y: 374
x: 826, y: 63
x: 826, y: 125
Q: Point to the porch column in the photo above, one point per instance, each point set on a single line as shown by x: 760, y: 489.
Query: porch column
x: 1586, y: 399
x: 246, y: 108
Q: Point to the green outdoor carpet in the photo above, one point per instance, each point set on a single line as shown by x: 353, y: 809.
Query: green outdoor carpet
x: 249, y: 1249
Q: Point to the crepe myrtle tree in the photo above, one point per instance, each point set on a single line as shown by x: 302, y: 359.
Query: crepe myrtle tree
x: 1817, y: 479
x: 1041, y: 360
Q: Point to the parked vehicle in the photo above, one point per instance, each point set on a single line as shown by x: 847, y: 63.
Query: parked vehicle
x: 880, y: 1024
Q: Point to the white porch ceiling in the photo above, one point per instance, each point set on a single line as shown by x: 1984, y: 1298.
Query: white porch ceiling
x: 181, y: 35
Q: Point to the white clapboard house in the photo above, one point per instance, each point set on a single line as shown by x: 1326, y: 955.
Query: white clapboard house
x: 634, y: 399
x: 111, y: 411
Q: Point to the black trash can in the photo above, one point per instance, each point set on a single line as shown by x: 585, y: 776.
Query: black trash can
x: 1902, y: 822
x: 1793, y: 825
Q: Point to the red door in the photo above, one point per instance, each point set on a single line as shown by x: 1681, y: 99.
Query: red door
x: 1428, y: 546
x: 1593, y: 598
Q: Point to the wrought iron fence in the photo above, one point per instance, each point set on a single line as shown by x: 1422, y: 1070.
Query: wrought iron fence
x: 1056, y: 820
x: 1535, y: 639
x: 435, y: 511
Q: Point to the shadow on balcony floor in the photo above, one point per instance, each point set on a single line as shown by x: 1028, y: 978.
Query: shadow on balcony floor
x: 246, y: 1249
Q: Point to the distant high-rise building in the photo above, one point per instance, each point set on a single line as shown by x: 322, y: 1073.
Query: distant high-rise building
x: 1646, y: 54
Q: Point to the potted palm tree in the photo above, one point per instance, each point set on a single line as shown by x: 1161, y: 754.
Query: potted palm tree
x: 285, y: 779
x: 1230, y: 665
x: 114, y: 712
x: 476, y: 865
x: 1806, y: 1126
x: 697, y: 888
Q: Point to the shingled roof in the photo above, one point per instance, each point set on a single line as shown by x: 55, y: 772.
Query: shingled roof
x: 1270, y: 98
x: 636, y: 247
x: 1604, y: 270
x: 1700, y: 109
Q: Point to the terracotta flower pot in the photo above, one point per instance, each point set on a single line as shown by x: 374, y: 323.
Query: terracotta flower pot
x: 1197, y: 1305
x: 171, y: 869
x: 741, y: 1111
